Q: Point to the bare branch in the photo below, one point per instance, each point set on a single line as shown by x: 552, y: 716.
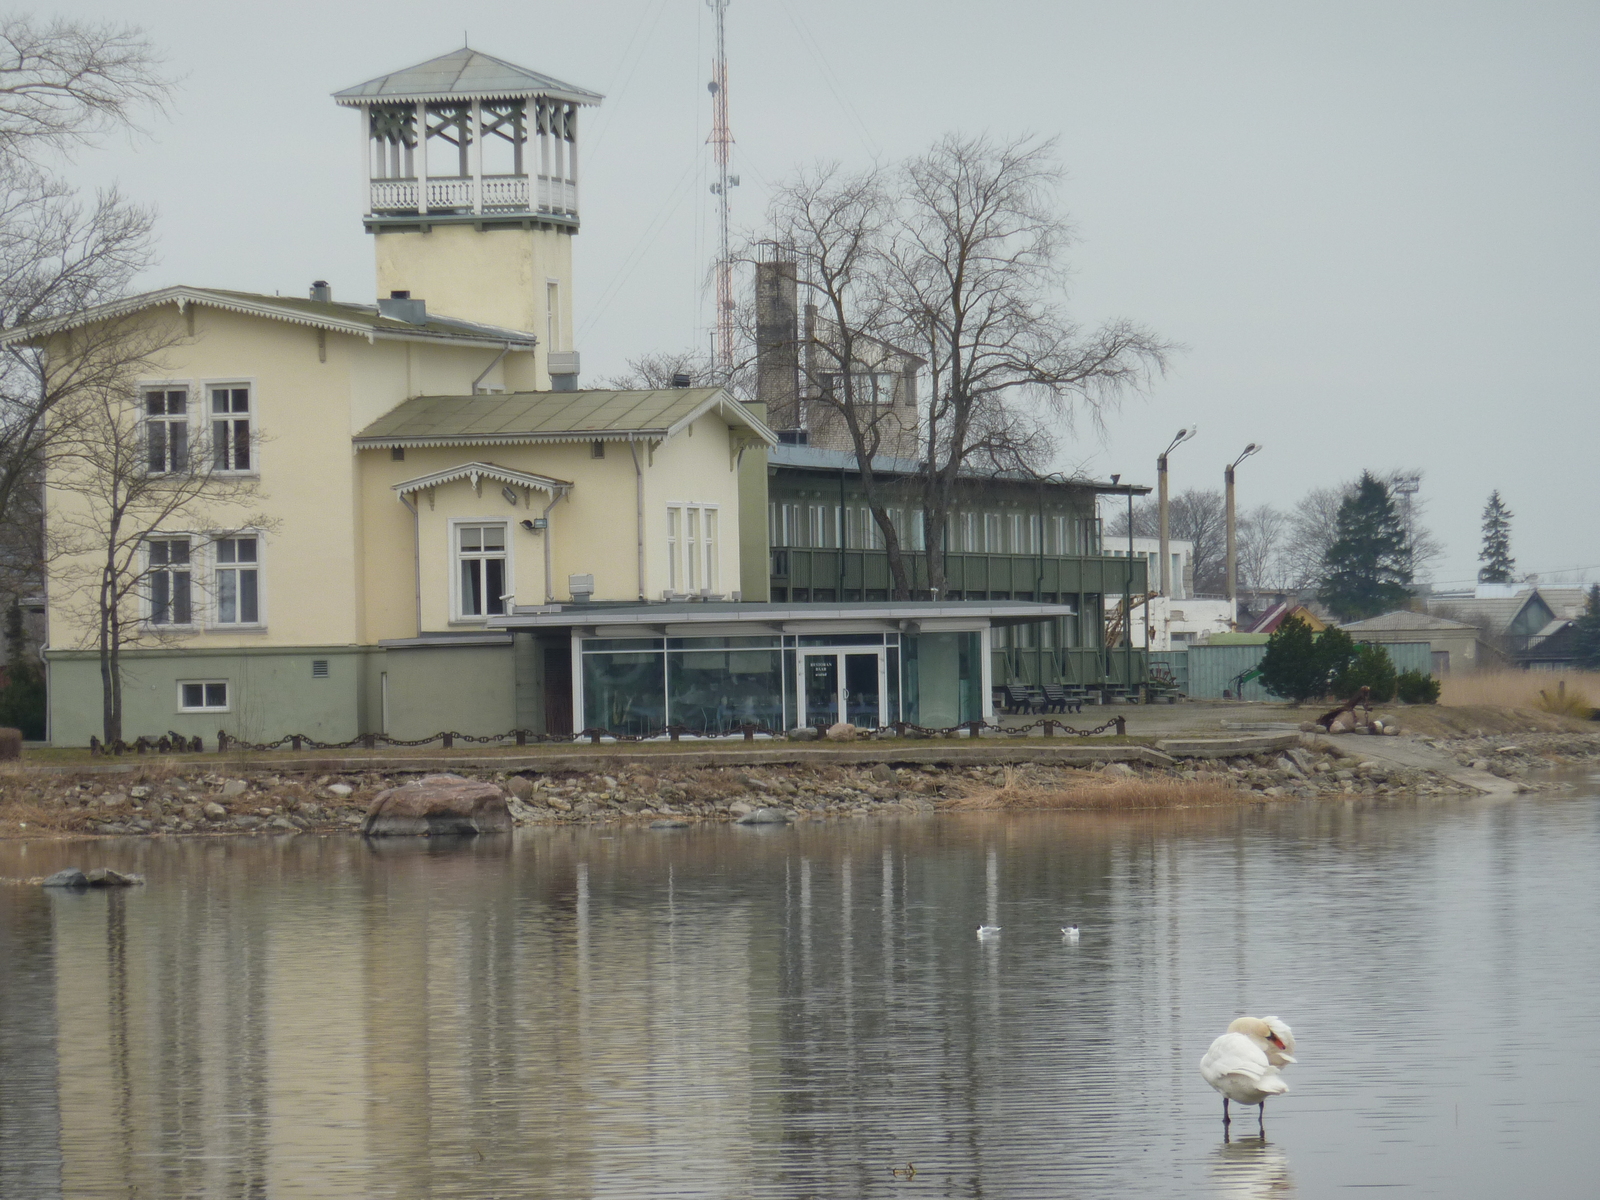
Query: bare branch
x: 63, y: 83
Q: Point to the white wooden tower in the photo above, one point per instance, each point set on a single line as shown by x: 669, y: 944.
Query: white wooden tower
x: 472, y: 193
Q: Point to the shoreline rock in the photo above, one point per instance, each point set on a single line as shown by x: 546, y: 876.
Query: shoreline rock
x: 274, y: 803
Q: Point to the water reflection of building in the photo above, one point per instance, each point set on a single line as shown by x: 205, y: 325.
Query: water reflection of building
x: 606, y: 1014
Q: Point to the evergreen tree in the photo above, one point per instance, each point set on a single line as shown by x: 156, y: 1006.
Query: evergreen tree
x: 1299, y: 665
x: 1290, y: 668
x: 1495, y: 556
x: 1367, y: 571
x: 1587, y: 641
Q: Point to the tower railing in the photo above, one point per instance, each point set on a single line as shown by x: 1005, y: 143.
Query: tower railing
x: 454, y: 194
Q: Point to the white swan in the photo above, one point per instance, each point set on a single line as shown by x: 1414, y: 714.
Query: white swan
x: 988, y: 931
x: 1070, y: 932
x: 1243, y: 1063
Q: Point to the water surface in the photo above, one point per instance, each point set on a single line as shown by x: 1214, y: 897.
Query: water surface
x: 731, y: 1012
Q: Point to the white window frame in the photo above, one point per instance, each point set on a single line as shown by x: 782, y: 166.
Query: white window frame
x: 215, y: 567
x: 458, y: 614
x: 189, y: 388
x: 694, y: 544
x: 148, y: 590
x: 226, y: 706
x: 251, y: 416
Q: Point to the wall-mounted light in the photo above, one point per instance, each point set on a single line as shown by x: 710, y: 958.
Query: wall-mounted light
x: 536, y: 524
x: 510, y: 496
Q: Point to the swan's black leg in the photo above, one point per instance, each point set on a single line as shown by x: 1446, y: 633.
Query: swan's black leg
x: 1261, y: 1118
x: 1225, y: 1118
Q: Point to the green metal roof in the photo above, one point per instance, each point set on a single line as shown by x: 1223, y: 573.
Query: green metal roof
x: 553, y: 416
x: 464, y: 74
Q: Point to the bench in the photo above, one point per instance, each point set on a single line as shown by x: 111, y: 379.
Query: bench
x: 1059, y: 699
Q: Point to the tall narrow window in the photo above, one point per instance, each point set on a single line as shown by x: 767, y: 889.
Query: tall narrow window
x: 230, y: 428
x: 169, y: 581
x: 481, y: 558
x: 691, y: 547
x: 709, y: 545
x: 237, y: 593
x: 674, y: 574
x: 991, y: 534
x: 167, y: 430
x: 552, y: 316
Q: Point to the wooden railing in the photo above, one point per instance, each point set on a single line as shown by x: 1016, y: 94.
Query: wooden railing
x: 454, y: 194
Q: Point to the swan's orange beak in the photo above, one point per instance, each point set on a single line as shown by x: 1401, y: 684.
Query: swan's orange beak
x: 1275, y: 1040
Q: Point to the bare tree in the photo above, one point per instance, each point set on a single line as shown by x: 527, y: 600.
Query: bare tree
x: 663, y: 370
x: 132, y: 503
x: 63, y: 83
x: 975, y: 269
x: 1263, y: 530
x: 834, y: 226
x: 1196, y: 516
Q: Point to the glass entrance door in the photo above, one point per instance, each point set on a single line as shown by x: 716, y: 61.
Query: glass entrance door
x: 847, y: 682
x: 863, y: 704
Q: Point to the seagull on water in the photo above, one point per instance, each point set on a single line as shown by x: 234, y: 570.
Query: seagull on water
x: 1070, y: 932
x: 1243, y: 1063
x: 988, y: 931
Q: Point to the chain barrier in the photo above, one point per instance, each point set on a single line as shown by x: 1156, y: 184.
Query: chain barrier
x: 174, y: 743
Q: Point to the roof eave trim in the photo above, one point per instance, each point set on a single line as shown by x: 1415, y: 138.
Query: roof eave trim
x: 723, y: 403
x: 422, y: 441
x: 182, y: 296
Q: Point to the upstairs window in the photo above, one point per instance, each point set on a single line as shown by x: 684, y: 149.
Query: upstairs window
x: 169, y: 581
x: 481, y: 569
x: 237, y: 590
x: 230, y: 428
x: 167, y: 430
x: 692, y: 545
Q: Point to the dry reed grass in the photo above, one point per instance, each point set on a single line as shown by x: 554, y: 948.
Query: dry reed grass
x: 1098, y: 793
x: 1538, y: 691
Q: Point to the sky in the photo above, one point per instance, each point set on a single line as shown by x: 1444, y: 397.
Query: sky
x: 1371, y: 226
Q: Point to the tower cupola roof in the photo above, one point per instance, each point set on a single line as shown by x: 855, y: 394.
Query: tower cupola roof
x: 464, y: 74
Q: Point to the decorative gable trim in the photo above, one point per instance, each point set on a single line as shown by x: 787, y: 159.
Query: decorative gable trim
x: 476, y: 472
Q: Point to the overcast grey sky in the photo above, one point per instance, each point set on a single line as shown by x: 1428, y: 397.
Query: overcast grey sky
x: 1372, y: 224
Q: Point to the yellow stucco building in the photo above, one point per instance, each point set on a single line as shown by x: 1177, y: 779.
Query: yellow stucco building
x: 337, y: 518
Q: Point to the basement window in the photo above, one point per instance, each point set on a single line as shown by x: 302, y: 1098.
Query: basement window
x: 203, y: 695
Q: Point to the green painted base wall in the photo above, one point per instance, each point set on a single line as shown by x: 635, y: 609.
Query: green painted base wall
x: 273, y: 693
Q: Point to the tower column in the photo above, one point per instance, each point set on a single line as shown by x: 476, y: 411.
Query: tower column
x: 477, y: 156
x: 422, y: 156
x: 366, y: 155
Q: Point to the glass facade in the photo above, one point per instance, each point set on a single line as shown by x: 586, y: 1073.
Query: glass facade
x: 715, y: 685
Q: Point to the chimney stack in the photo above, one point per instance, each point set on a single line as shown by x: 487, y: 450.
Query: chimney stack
x: 777, y: 347
x: 401, y: 307
x: 321, y: 292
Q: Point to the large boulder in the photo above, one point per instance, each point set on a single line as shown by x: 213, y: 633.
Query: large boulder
x: 438, y: 805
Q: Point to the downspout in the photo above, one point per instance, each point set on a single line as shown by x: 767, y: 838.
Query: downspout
x: 505, y: 351
x: 416, y: 554
x: 549, y: 582
x: 638, y: 491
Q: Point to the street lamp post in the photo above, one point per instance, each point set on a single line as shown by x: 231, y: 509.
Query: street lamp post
x: 1161, y: 479
x: 1233, y: 534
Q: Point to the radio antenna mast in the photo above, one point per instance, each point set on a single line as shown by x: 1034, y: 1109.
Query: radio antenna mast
x: 722, y: 139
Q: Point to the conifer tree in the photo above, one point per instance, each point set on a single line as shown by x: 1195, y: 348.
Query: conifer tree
x: 1367, y: 569
x: 1498, y: 565
x: 1587, y: 647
